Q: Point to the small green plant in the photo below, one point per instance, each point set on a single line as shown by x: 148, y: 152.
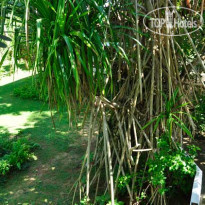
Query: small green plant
x: 15, y: 153
x: 20, y: 153
x: 141, y: 197
x: 116, y: 203
x: 192, y: 150
x: 85, y: 201
x: 31, y: 91
x: 105, y: 200
x: 123, y: 181
x: 27, y: 92
x: 170, y: 168
x: 101, y: 200
x: 4, y: 167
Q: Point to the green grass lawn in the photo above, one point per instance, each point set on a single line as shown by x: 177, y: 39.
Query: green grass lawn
x: 48, y: 179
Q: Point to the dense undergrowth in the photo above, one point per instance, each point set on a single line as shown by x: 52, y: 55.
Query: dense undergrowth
x: 30, y: 91
x: 15, y: 153
x: 27, y: 92
x: 169, y: 169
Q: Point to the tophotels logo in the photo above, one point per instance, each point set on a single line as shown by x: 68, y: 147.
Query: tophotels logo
x: 173, y: 21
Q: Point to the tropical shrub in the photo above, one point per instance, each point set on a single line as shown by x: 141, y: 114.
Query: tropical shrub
x: 170, y: 168
x: 27, y: 92
x: 31, y: 91
x: 15, y: 153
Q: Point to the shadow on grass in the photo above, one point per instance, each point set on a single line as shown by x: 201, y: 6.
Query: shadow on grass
x: 47, y: 180
x: 9, y: 104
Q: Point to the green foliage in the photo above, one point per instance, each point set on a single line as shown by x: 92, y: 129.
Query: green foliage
x: 179, y: 3
x: 141, y: 197
x: 20, y: 153
x: 85, y: 201
x: 5, y: 71
x: 199, y: 113
x: 105, y: 200
x: 170, y: 168
x: 123, y: 181
x: 192, y: 150
x: 27, y: 92
x: 100, y: 200
x: 14, y: 153
x: 68, y: 37
x: 4, y: 167
x: 170, y: 115
x: 72, y: 45
x: 116, y: 203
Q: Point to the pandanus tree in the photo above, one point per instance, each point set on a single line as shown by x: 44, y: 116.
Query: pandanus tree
x: 99, y: 54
